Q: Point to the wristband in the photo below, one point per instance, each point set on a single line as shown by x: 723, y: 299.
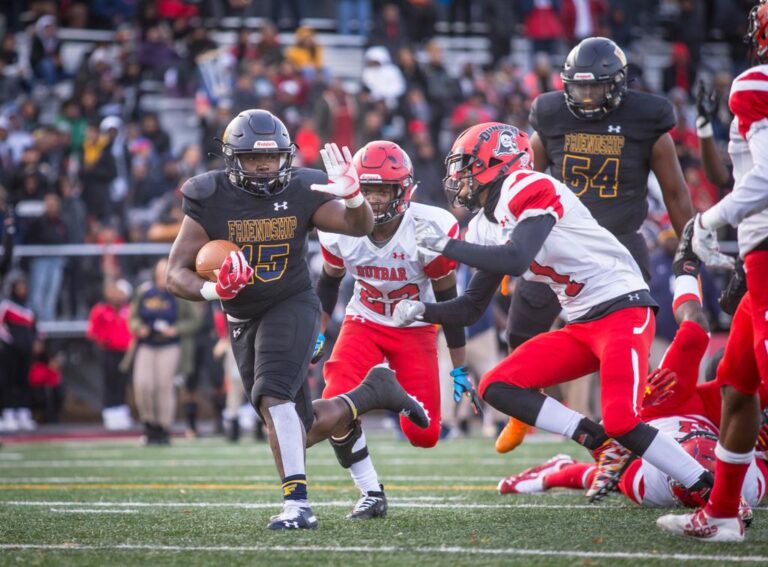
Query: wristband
x: 354, y: 201
x: 208, y: 291
x: 704, y: 128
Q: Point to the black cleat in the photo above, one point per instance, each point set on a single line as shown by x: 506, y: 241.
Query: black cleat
x: 381, y: 390
x: 293, y: 517
x: 371, y: 505
x: 686, y: 262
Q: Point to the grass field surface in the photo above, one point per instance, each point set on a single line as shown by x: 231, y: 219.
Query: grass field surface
x: 207, y: 502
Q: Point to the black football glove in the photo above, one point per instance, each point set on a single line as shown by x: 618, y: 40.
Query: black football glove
x: 735, y: 290
x: 706, y: 104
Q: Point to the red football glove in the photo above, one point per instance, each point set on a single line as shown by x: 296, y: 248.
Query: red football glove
x: 234, y: 275
x: 660, y: 387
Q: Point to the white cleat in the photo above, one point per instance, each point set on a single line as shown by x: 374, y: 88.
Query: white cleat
x: 699, y: 525
x: 531, y: 480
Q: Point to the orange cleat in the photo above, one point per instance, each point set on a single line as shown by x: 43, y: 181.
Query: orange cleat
x: 511, y: 436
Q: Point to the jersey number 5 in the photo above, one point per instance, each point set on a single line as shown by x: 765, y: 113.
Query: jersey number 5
x: 576, y: 174
x: 270, y: 262
x: 384, y: 304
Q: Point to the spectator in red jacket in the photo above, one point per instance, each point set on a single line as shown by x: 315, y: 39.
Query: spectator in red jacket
x: 108, y: 329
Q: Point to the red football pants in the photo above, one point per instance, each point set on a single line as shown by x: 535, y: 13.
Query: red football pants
x: 411, y: 354
x: 745, y: 362
x: 616, y: 345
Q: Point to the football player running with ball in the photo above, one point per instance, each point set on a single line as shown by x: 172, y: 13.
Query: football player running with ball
x: 531, y: 225
x: 388, y: 267
x: 267, y: 207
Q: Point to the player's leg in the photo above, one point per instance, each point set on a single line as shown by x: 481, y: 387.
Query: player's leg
x: 513, y: 385
x: 412, y: 354
x: 273, y: 355
x: 560, y: 468
x: 533, y: 310
x: 622, y: 341
x: 356, y: 351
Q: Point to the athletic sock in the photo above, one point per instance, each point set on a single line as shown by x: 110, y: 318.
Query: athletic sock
x: 730, y: 470
x: 290, y: 439
x: 363, y: 472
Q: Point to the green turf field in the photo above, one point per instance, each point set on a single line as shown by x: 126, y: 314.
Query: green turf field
x: 206, y: 502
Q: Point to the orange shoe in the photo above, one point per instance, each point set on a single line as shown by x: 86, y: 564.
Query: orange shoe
x: 511, y: 436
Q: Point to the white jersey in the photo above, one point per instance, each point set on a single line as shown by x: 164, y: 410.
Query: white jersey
x: 583, y: 263
x: 652, y: 487
x: 747, y: 205
x: 396, y: 271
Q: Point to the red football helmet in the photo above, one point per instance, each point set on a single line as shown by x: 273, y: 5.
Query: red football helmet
x: 385, y: 163
x: 481, y: 155
x: 757, y: 33
x: 701, y: 446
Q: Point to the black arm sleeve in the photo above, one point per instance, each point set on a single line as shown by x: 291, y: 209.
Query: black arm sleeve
x: 454, y: 334
x: 468, y: 308
x: 328, y: 291
x: 512, y: 258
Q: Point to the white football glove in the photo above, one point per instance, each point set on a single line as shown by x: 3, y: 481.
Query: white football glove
x: 407, y: 311
x: 429, y: 235
x: 706, y: 247
x: 342, y: 176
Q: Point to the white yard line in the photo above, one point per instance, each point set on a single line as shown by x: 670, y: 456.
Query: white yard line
x: 394, y: 503
x: 91, y: 511
x: 341, y: 477
x: 255, y: 463
x: 510, y: 552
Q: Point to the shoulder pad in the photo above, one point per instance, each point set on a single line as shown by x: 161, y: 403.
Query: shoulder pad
x: 545, y: 106
x: 306, y: 177
x: 652, y: 109
x: 201, y: 186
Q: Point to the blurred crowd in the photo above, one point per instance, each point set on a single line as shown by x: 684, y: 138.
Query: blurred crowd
x: 85, y: 159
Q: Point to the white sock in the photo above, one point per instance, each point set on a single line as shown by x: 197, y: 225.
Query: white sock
x: 290, y: 437
x: 734, y: 458
x: 363, y: 472
x: 556, y: 418
x: 668, y: 456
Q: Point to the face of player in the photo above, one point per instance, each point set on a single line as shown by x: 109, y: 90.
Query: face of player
x: 260, y: 162
x: 378, y: 196
x: 591, y: 95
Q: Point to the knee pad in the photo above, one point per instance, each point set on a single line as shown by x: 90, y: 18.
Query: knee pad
x: 345, y: 448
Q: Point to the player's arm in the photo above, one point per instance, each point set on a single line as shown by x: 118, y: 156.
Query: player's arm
x: 512, y: 258
x: 666, y: 167
x: 540, y: 157
x: 464, y: 310
x: 328, y: 291
x: 182, y: 279
x: 445, y: 290
x: 354, y: 216
x: 749, y: 195
x: 714, y: 168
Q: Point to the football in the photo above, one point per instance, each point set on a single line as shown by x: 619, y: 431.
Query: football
x: 211, y: 256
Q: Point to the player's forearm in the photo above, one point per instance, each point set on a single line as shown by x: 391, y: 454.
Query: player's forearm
x: 512, y: 258
x: 454, y: 334
x: 748, y: 197
x: 468, y: 308
x: 328, y: 292
x: 359, y: 220
x: 458, y: 356
x: 713, y: 165
x: 186, y: 284
x: 679, y: 207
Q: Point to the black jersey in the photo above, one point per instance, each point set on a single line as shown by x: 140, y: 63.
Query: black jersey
x: 605, y: 162
x: 272, y: 233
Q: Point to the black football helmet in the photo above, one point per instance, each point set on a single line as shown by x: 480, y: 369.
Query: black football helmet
x: 595, y: 78
x: 258, y: 131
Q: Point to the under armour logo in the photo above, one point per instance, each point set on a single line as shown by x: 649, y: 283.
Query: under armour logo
x: 633, y: 297
x: 236, y: 333
x: 400, y: 256
x: 503, y: 222
x: 283, y: 205
x: 614, y: 129
x: 358, y: 318
x: 291, y: 524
